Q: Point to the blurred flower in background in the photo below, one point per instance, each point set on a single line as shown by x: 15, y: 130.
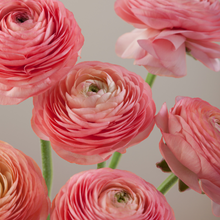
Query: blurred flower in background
x: 23, y: 192
x: 168, y: 29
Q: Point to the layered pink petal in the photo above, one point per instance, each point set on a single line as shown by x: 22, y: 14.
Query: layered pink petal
x: 23, y: 189
x: 98, y: 109
x: 39, y: 44
x: 191, y: 133
x: 109, y: 194
x: 178, y: 27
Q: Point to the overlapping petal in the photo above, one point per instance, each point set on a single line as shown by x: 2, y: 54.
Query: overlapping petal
x: 191, y: 144
x: 39, y: 44
x: 107, y: 194
x: 23, y: 192
x: 167, y: 30
x: 99, y: 108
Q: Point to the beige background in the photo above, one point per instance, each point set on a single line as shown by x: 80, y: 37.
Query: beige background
x: 101, y: 27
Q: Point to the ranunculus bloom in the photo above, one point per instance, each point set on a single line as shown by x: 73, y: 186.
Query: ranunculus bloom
x: 23, y: 192
x: 99, y: 108
x: 166, y: 30
x: 39, y: 44
x: 191, y: 132
x: 107, y: 194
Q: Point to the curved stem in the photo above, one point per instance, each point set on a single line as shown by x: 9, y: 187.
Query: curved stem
x: 150, y: 79
x: 167, y: 184
x: 101, y: 165
x: 115, y: 160
x: 47, y: 167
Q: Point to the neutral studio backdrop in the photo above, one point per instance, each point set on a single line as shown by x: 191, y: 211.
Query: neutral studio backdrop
x: 101, y: 27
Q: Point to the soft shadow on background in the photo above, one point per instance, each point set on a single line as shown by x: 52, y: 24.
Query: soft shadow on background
x: 101, y: 27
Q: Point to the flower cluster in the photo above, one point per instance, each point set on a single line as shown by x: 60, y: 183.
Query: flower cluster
x: 91, y: 110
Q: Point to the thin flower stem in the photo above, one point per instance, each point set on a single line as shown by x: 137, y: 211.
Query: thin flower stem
x: 150, y: 79
x: 101, y: 165
x: 47, y: 167
x: 167, y: 184
x: 116, y: 156
x: 115, y: 160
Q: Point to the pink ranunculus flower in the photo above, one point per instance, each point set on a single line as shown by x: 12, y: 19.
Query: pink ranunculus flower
x: 168, y: 29
x: 23, y: 192
x: 191, y: 145
x: 107, y: 194
x: 98, y: 109
x: 39, y: 43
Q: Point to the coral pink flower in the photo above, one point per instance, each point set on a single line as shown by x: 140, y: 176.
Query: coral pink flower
x: 107, y: 194
x: 23, y: 192
x: 39, y: 44
x: 167, y: 30
x: 99, y: 108
x: 191, y: 132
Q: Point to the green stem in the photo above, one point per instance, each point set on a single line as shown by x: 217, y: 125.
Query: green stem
x: 167, y: 184
x: 115, y: 160
x: 101, y: 165
x: 47, y: 167
x: 150, y: 79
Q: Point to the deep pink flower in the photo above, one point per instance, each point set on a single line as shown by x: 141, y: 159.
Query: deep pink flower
x: 99, y: 108
x: 23, y: 192
x: 191, y: 145
x: 107, y: 194
x: 39, y: 44
x: 166, y: 30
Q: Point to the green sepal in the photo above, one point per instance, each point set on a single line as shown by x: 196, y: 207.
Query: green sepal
x: 163, y: 166
x: 182, y: 186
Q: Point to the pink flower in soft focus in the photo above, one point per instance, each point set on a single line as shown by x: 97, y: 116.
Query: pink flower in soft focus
x: 107, y: 194
x: 23, y: 192
x: 39, y: 44
x: 99, y: 108
x: 167, y: 30
x: 191, y: 145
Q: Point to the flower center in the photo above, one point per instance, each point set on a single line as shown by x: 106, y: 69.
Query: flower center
x: 93, y: 88
x: 21, y: 18
x: 122, y: 196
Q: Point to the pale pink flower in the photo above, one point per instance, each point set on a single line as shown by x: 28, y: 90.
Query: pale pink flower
x: 107, y: 194
x: 39, y: 44
x: 99, y: 108
x: 167, y: 30
x: 191, y: 145
x: 23, y: 192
